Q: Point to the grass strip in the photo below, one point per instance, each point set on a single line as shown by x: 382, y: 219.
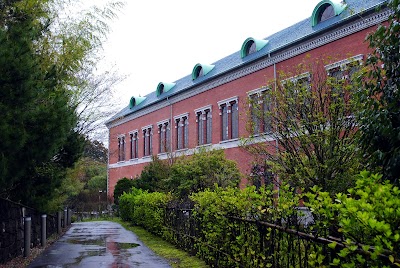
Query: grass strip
x: 176, y: 257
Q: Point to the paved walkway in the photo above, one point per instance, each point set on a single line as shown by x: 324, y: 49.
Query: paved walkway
x: 99, y: 244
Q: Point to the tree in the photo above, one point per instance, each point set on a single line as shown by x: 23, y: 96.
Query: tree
x: 153, y: 176
x: 379, y: 98
x: 42, y: 55
x: 123, y: 185
x: 37, y: 116
x: 309, y: 128
x: 95, y: 150
x: 202, y: 170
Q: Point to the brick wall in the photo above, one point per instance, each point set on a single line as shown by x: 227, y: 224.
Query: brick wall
x: 334, y: 51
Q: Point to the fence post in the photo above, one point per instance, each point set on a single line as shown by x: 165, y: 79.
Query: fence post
x: 65, y: 218
x: 43, y: 236
x: 27, y: 236
x: 69, y: 217
x: 59, y: 222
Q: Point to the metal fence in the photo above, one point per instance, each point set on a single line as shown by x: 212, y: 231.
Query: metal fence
x: 253, y: 243
x: 12, y: 217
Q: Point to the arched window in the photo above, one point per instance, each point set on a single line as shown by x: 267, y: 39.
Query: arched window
x: 251, y: 45
x: 201, y: 70
x: 326, y: 10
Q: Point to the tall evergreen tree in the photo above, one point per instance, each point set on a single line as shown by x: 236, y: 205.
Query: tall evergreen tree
x: 42, y: 59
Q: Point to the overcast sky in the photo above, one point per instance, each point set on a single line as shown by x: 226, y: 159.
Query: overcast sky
x: 156, y: 41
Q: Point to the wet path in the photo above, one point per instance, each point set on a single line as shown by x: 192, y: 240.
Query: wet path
x: 99, y: 244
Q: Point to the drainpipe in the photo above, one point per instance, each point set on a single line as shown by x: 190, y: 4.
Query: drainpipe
x: 171, y: 130
x: 275, y: 87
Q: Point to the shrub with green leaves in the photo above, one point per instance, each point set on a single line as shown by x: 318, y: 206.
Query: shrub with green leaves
x: 368, y: 218
x: 222, y: 233
x: 201, y: 171
x: 144, y: 209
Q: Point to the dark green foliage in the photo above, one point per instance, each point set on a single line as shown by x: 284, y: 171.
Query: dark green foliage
x: 43, y: 56
x: 201, y: 171
x: 368, y: 218
x: 380, y: 99
x: 153, y: 176
x: 123, y: 185
x: 36, y: 120
x: 144, y: 209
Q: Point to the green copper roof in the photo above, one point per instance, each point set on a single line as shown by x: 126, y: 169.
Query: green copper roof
x: 338, y: 7
x: 164, y: 87
x: 260, y: 43
x: 136, y: 101
x: 205, y: 67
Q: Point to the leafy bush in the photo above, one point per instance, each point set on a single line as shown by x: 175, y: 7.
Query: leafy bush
x: 144, y: 209
x: 201, y: 171
x: 123, y: 185
x: 153, y: 176
x: 214, y: 211
x: 368, y: 218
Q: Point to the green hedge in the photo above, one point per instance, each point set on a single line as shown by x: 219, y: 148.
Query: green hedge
x: 144, y: 209
x: 366, y: 219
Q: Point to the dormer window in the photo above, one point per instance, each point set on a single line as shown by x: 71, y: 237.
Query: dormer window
x: 134, y: 101
x: 164, y: 87
x: 201, y: 70
x: 326, y: 10
x: 327, y: 13
x: 251, y: 45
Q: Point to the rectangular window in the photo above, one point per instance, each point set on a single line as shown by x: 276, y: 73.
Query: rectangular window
x: 147, y: 141
x: 343, y: 72
x: 181, y: 126
x: 204, y: 125
x: 224, y: 121
x: 298, y: 97
x: 200, y: 123
x: 134, y: 144
x: 259, y: 111
x: 229, y: 111
x: 208, y: 126
x: 121, y: 148
x: 235, y: 119
x: 164, y: 137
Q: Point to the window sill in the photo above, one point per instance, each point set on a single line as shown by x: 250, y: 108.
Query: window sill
x: 230, y: 140
x: 261, y: 134
x: 146, y: 157
x: 181, y: 150
x: 133, y: 159
x: 204, y: 145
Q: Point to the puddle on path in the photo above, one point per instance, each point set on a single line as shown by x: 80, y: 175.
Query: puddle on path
x: 118, y: 250
x: 102, y: 243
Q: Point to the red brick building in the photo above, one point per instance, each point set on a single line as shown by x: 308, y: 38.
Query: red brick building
x: 208, y: 108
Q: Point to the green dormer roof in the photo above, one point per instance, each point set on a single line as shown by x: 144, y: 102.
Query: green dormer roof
x: 259, y: 43
x: 338, y: 7
x: 164, y: 87
x: 135, y: 101
x: 201, y: 70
